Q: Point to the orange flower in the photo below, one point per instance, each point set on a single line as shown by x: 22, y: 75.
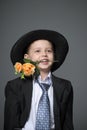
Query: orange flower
x: 28, y: 69
x: 18, y: 67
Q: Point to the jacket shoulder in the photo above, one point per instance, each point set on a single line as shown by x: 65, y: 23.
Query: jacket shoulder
x: 16, y: 85
x: 62, y: 83
x: 61, y: 80
x: 18, y: 81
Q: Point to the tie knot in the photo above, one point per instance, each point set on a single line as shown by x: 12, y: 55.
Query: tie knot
x: 45, y: 86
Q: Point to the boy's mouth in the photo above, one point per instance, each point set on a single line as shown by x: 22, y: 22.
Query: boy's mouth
x: 44, y: 61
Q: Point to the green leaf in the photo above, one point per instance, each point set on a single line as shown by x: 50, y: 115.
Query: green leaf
x: 26, y: 60
x: 16, y: 72
x: 30, y: 61
x: 22, y: 76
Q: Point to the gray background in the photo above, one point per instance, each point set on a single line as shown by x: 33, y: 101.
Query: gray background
x: 69, y: 18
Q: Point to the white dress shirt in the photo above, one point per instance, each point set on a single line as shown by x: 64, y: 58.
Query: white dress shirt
x: 37, y: 93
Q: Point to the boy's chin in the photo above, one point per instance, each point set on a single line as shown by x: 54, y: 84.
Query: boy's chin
x: 45, y: 69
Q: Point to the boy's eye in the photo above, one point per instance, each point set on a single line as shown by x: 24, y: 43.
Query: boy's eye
x: 49, y: 50
x: 37, y: 50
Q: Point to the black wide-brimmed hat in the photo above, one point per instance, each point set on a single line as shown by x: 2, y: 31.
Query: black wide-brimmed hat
x: 58, y: 40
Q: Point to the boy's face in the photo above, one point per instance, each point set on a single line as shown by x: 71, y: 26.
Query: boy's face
x: 41, y: 50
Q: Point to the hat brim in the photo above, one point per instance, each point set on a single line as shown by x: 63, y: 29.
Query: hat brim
x: 57, y: 39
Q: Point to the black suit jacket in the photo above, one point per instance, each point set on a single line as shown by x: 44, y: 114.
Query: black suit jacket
x: 18, y: 95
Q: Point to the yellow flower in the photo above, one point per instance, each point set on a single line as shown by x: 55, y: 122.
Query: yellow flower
x: 18, y: 67
x: 28, y: 69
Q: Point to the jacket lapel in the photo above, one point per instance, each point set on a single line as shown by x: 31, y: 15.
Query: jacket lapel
x: 27, y: 95
x: 56, y: 95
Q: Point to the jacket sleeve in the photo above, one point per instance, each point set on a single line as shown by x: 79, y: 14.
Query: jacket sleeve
x: 11, y: 109
x: 68, y: 119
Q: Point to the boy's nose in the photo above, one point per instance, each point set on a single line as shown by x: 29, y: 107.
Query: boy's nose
x: 44, y: 53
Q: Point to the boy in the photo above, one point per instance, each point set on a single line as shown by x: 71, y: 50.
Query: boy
x: 29, y: 104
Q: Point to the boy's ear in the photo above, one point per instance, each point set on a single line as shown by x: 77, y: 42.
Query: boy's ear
x: 26, y: 56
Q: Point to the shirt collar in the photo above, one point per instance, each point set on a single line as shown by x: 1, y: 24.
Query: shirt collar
x: 47, y: 80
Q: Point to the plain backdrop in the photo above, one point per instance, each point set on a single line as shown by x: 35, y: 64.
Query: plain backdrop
x: 65, y: 16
